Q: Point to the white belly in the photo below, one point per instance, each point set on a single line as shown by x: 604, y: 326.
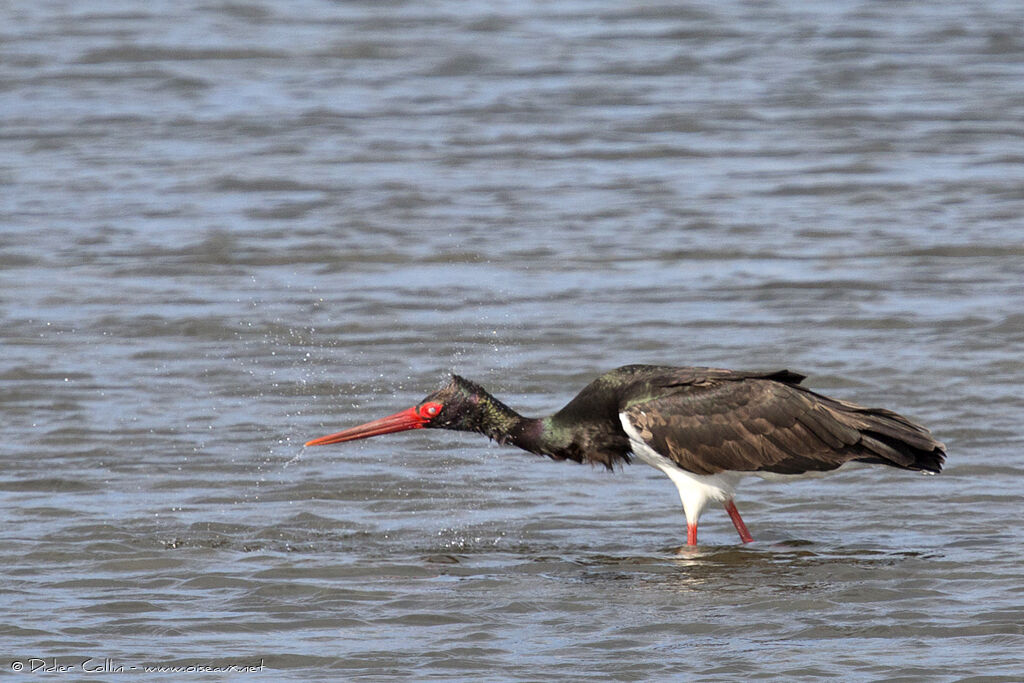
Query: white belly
x: 695, y: 490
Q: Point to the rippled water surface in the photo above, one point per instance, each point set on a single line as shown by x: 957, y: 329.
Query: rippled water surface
x: 226, y: 228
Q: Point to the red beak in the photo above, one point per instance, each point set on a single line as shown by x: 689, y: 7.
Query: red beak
x: 399, y: 422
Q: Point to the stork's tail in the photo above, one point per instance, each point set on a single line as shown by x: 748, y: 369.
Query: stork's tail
x: 892, y: 439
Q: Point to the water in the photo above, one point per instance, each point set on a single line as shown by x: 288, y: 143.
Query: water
x: 228, y: 228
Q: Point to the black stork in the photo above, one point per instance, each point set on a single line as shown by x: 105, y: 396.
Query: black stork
x: 703, y: 427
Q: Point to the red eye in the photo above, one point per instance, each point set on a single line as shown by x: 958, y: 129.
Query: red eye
x: 430, y: 410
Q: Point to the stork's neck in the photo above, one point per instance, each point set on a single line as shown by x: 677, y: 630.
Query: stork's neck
x: 556, y: 436
x: 483, y: 413
x: 492, y: 418
x: 476, y: 411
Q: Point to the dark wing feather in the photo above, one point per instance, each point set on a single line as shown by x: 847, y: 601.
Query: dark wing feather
x: 759, y: 423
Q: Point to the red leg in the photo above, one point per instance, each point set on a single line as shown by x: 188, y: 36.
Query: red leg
x: 691, y: 534
x: 737, y: 521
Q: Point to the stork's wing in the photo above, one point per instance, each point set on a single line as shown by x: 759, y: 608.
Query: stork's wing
x: 757, y: 424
